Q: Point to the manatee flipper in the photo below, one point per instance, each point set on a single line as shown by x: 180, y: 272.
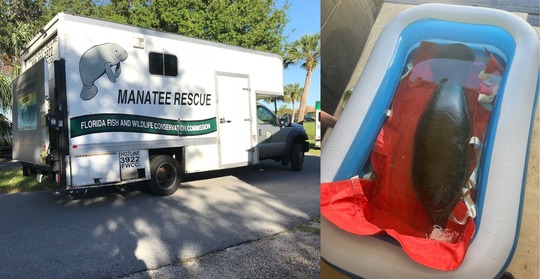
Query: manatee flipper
x: 440, y: 162
x: 117, y: 70
x: 88, y: 91
x: 109, y: 72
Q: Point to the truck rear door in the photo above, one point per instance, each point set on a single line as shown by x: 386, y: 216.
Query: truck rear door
x: 30, y: 105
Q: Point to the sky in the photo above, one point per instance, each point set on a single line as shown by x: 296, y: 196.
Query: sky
x: 304, y: 18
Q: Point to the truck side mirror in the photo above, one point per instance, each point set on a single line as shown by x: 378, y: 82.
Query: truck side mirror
x: 285, y: 120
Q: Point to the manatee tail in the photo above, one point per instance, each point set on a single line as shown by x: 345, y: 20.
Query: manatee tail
x: 88, y: 92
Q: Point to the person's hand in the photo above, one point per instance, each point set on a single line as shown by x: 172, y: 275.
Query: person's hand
x: 327, y: 120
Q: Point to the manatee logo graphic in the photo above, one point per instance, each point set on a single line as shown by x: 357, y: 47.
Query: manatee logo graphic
x: 95, y: 62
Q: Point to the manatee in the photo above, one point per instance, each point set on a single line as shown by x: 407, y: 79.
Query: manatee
x: 452, y: 63
x: 97, y: 61
x: 440, y: 156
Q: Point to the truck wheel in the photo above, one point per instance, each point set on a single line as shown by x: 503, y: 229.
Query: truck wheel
x: 297, y: 156
x: 164, y: 175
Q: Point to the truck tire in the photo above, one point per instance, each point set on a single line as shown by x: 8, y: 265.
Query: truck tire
x: 297, y: 156
x: 164, y: 175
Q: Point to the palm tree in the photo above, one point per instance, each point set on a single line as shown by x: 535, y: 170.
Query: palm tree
x: 11, y: 47
x: 293, y: 93
x: 274, y: 100
x: 5, y: 93
x: 283, y: 110
x: 306, y: 50
x: 5, y: 130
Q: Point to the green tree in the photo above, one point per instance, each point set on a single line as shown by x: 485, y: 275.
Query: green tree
x: 16, y: 30
x: 5, y: 93
x: 78, y: 7
x: 20, y: 11
x: 87, y: 8
x: 254, y: 24
x: 140, y: 13
x: 274, y: 100
x: 283, y: 110
x: 5, y: 128
x: 292, y: 93
x: 305, y: 51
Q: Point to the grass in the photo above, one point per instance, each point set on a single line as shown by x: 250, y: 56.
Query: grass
x: 307, y: 227
x: 310, y: 131
x: 12, y: 181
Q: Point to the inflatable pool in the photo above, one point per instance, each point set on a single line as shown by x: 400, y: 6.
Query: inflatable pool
x: 501, y: 177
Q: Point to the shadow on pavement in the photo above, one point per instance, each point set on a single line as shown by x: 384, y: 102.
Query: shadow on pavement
x: 110, y: 232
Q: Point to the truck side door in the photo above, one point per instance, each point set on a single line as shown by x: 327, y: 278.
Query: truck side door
x: 234, y: 120
x: 271, y: 137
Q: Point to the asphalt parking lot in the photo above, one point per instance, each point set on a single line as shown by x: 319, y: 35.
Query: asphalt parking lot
x: 118, y: 234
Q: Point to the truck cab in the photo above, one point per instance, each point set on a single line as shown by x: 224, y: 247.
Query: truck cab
x: 280, y: 140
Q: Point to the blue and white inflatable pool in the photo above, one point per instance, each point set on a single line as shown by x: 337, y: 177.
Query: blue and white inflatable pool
x: 501, y: 179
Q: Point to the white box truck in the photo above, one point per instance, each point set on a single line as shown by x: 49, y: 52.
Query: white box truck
x: 101, y: 103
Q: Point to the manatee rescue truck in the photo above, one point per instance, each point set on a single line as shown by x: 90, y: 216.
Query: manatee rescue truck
x: 101, y: 103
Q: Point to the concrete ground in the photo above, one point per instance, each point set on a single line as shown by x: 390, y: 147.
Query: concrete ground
x: 290, y: 254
